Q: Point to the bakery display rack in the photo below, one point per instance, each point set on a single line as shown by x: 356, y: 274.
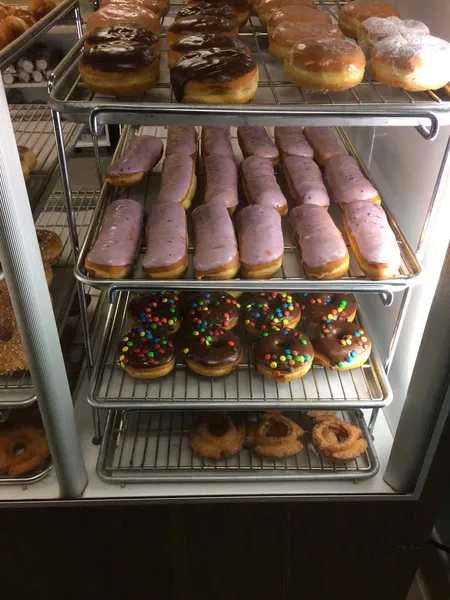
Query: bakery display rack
x: 141, y: 446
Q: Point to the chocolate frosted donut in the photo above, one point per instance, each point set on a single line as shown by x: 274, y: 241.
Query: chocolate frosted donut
x: 203, y: 41
x: 209, y: 9
x: 240, y: 7
x: 341, y: 345
x: 283, y: 355
x: 159, y: 310
x: 144, y: 354
x: 318, y: 308
x: 124, y: 33
x: 212, y: 310
x: 214, y: 353
x: 200, y: 24
x: 270, y: 310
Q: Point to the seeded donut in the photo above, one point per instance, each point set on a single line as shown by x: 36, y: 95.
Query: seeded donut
x: 318, y: 308
x: 214, y: 353
x: 50, y: 245
x: 144, y: 354
x: 216, y: 436
x: 341, y: 346
x: 270, y: 310
x: 283, y: 356
x: 213, y: 310
x: 22, y: 449
x: 160, y: 311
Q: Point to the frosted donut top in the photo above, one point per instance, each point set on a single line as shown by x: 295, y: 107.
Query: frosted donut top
x: 346, y: 181
x: 142, y: 156
x: 166, y: 236
x: 306, y: 179
x: 407, y: 46
x: 216, y: 140
x: 379, y: 28
x: 221, y: 179
x: 215, y: 241
x: 181, y: 139
x: 176, y: 178
x: 261, y: 183
x: 290, y: 140
x: 260, y: 235
x: 256, y: 141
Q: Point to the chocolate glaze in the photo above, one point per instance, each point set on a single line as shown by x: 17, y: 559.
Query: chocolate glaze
x: 205, y: 41
x: 212, y: 310
x: 159, y: 310
x: 236, y: 3
x: 201, y: 23
x: 122, y: 33
x: 214, y: 348
x: 341, y: 342
x: 118, y: 56
x: 317, y: 308
x: 208, y: 9
x: 284, y: 351
x: 270, y: 310
x: 210, y: 66
x: 144, y: 351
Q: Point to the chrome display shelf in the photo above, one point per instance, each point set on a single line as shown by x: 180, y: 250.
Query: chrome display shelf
x: 291, y: 276
x: 277, y: 101
x: 245, y: 389
x: 145, y: 446
x: 31, y: 477
x: 33, y: 128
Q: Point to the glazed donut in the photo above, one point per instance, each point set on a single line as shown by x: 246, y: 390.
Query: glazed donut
x: 354, y: 13
x: 139, y: 158
x: 260, y: 184
x: 12, y: 352
x: 297, y: 14
x: 145, y: 354
x: 266, y: 8
x: 412, y: 62
x: 324, y: 142
x: 319, y: 308
x: 338, y: 440
x: 200, y: 24
x: 325, y: 65
x: 216, y: 140
x: 374, y: 29
x: 265, y: 311
x: 215, y: 436
x: 166, y: 255
x: 182, y: 139
x: 22, y: 449
x: 159, y: 311
x: 221, y: 182
x: 277, y: 437
x: 50, y: 245
x: 124, y: 33
x: 178, y: 180
x: 159, y: 7
x: 114, y: 252
x: 287, y: 34
x: 240, y: 7
x: 261, y: 245
x: 209, y: 9
x: 203, y: 41
x: 40, y: 8
x: 216, y: 76
x: 212, y: 310
x: 347, y: 183
x: 28, y: 161
x: 341, y: 346
x: 305, y: 181
x: 119, y: 68
x: 255, y: 141
x: 124, y: 14
x: 283, y: 356
x: 323, y: 252
x: 372, y: 240
x: 214, y: 353
x: 214, y: 260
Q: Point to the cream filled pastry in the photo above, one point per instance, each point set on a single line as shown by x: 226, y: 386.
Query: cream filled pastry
x: 216, y: 140
x: 305, y: 181
x: 285, y: 35
x: 182, y: 139
x: 213, y: 9
x: 221, y: 181
x: 117, y: 246
x: 372, y: 239
x: 346, y: 181
x: 325, y: 143
x: 203, y: 41
x: 261, y: 243
x: 354, y: 13
x: 290, y: 141
x: 255, y: 141
x: 240, y: 7
x: 297, y: 15
x: 167, y: 241
x: 140, y: 158
x: 260, y: 184
x: 215, y: 247
x: 200, y: 24
x: 124, y: 33
x: 178, y: 180
x: 322, y: 248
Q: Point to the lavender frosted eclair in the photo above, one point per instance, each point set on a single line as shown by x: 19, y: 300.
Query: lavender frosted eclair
x: 346, y: 181
x: 305, y: 181
x: 322, y: 248
x: 178, y: 180
x: 371, y: 239
x: 117, y: 245
x: 167, y: 241
x: 221, y: 181
x: 290, y: 141
x: 140, y: 158
x: 261, y: 243
x: 255, y: 141
x: 260, y: 185
x: 216, y: 140
x: 182, y: 139
x: 324, y: 142
x: 215, y: 248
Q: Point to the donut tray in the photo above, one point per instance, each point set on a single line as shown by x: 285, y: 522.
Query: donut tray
x: 151, y: 446
x: 277, y: 101
x: 245, y: 389
x: 291, y: 276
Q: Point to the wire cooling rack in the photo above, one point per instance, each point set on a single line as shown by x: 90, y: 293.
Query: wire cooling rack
x: 142, y: 446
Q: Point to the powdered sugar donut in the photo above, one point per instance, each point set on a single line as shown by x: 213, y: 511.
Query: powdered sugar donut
x: 375, y: 29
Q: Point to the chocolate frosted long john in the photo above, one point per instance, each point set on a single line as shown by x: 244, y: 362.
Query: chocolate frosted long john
x: 290, y: 141
x: 166, y: 254
x: 260, y: 184
x: 182, y: 139
x: 216, y: 140
x: 346, y: 181
x: 305, y: 181
x: 215, y: 247
x: 261, y: 243
x: 141, y: 157
x: 221, y: 181
x: 324, y: 142
x: 178, y: 180
x: 322, y: 248
x: 255, y: 141
x: 117, y: 246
